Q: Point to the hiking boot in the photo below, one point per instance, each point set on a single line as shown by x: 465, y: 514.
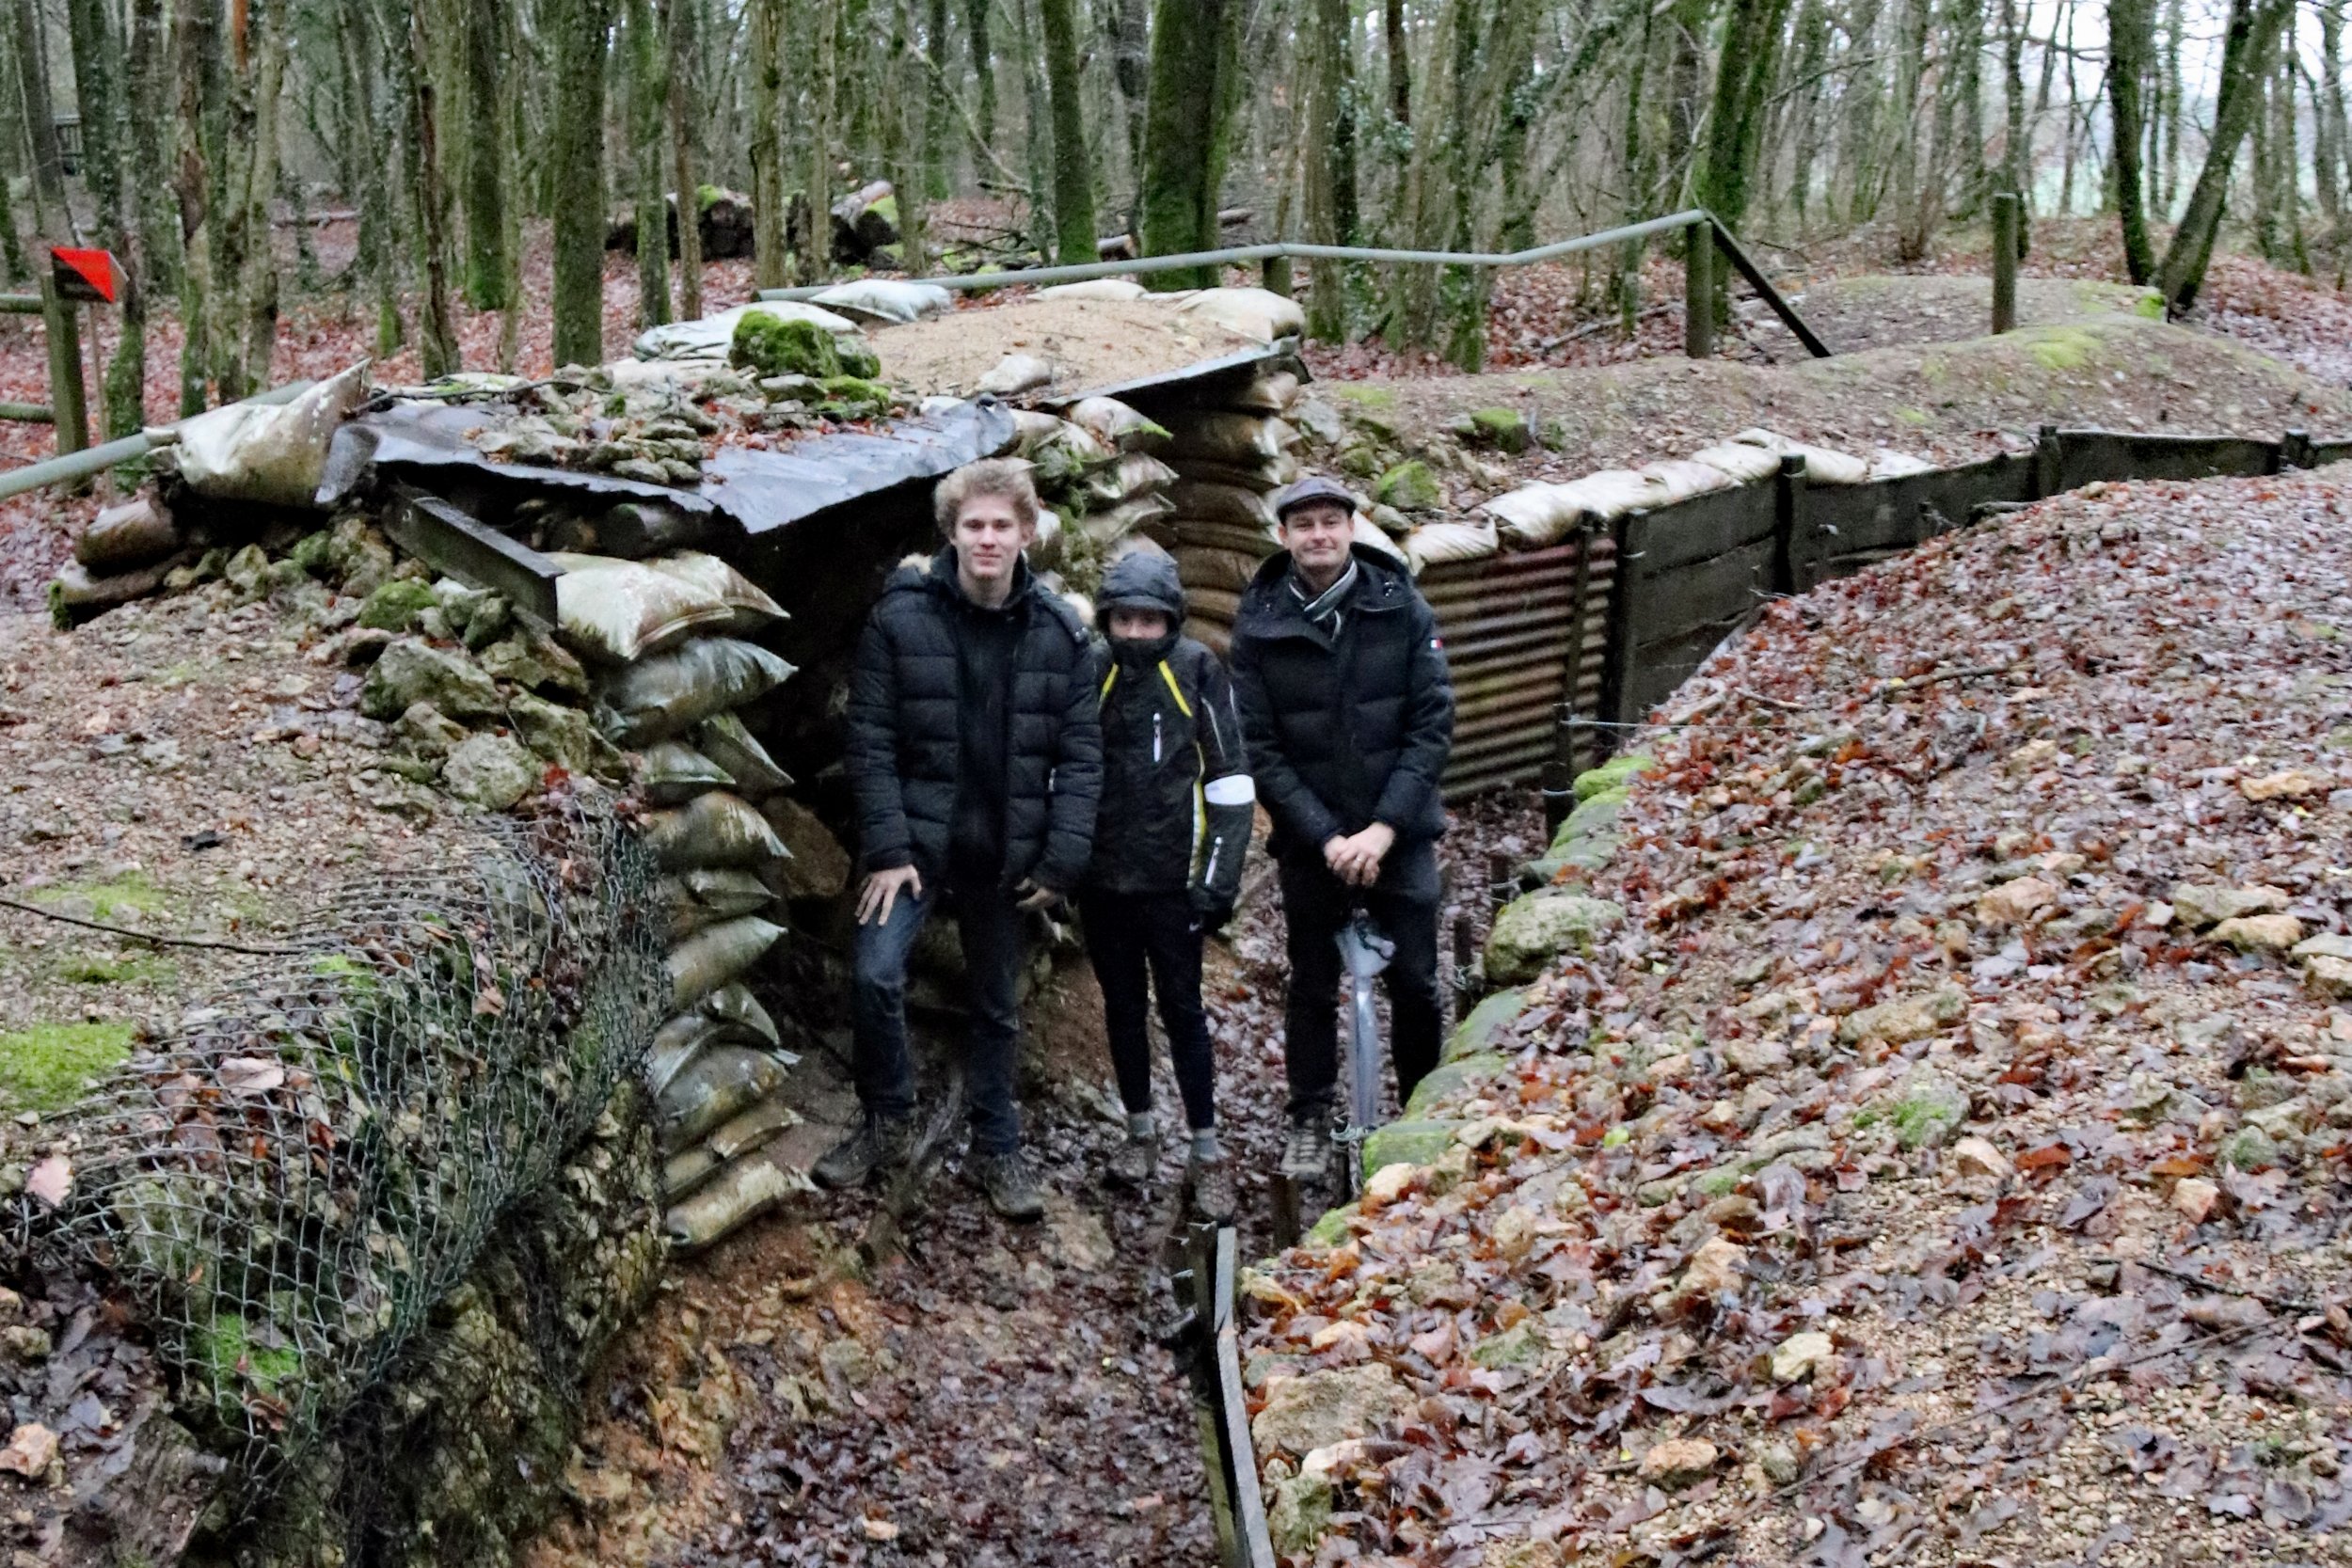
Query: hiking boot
x: 1307, y: 1151
x: 1212, y: 1190
x: 881, y: 1145
x: 1009, y: 1184
x: 1135, y: 1161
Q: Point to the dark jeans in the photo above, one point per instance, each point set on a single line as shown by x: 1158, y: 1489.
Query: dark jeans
x: 995, y: 944
x: 1315, y: 905
x: 1128, y: 933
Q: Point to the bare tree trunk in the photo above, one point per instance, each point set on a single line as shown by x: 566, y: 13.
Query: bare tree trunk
x: 1744, y: 80
x: 768, y: 262
x: 256, y: 76
x: 899, y: 106
x: 976, y: 33
x: 98, y: 94
x: 2016, y: 160
x: 1073, y: 166
x: 817, y: 235
x: 1325, y: 44
x: 1968, y: 91
x: 649, y: 113
x: 1399, y: 57
x: 2334, y: 153
x: 2286, y: 159
x: 1859, y: 153
x: 1131, y: 69
x: 437, y: 339
x: 683, y: 27
x: 490, y: 281
x: 2074, y: 107
x: 40, y: 123
x: 2254, y: 26
x: 2262, y: 178
x: 576, y: 166
x: 356, y: 38
x: 2131, y: 46
x: 197, y: 24
x: 1188, y: 137
x: 938, y: 162
x: 2175, y: 23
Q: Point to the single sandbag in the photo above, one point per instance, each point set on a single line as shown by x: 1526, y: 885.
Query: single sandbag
x: 1197, y: 533
x: 1108, y: 527
x: 725, y: 741
x: 748, y: 1129
x: 1211, y: 502
x: 1534, y: 516
x: 1885, y: 464
x: 1014, y: 374
x: 889, y: 301
x: 1678, y: 479
x: 1259, y: 313
x: 715, y: 828
x: 709, y: 895
x: 1821, y: 465
x: 721, y: 1081
x: 1228, y: 570
x: 1369, y: 536
x: 686, y: 1170
x: 749, y: 609
x: 122, y: 538
x: 1220, y: 436
x: 274, y: 454
x: 1213, y: 603
x: 670, y: 693
x: 613, y: 612
x: 1029, y: 427
x: 1096, y: 288
x: 738, y: 1193
x: 1272, y: 392
x: 1745, y: 463
x: 716, y: 953
x: 1458, y: 540
x: 670, y: 773
x: 1134, y: 474
x: 1265, y: 476
x: 735, y: 1006
x: 676, y: 1045
x: 1068, y: 454
x: 1116, y: 425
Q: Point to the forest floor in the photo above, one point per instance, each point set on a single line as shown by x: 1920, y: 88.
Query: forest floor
x: 1921, y: 1174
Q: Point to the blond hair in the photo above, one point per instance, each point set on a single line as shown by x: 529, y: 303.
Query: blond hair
x: 1007, y: 478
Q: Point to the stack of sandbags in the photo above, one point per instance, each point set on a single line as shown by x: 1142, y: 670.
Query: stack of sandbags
x: 717, y: 1075
x: 1229, y: 459
x: 125, y: 554
x: 1101, y: 482
x: 669, y: 638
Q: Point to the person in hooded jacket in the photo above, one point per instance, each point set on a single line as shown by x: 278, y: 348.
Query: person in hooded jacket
x: 1169, y: 844
x: 1348, y: 711
x: 975, y: 754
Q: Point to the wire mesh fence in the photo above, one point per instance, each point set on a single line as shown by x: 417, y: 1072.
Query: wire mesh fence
x: 288, y: 1181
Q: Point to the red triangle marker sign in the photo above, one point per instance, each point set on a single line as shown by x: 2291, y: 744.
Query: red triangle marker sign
x: 86, y: 275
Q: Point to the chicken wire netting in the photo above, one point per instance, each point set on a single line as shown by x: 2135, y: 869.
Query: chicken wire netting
x: 288, y: 1181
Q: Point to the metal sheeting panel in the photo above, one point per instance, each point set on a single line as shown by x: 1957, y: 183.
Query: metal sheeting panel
x: 1511, y: 631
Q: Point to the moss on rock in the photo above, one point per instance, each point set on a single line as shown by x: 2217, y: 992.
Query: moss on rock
x: 1485, y: 1023
x: 768, y: 344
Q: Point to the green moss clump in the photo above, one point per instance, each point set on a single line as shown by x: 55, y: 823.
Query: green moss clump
x: 224, y: 1351
x: 396, y: 604
x: 45, y: 1067
x: 1618, y: 772
x: 314, y: 553
x: 131, y: 893
x: 1410, y: 487
x: 858, y: 358
x: 1331, y: 1229
x: 855, y: 398
x: 113, y: 968
x: 772, y: 345
x: 1504, y: 429
x: 705, y: 196
x: 60, y: 616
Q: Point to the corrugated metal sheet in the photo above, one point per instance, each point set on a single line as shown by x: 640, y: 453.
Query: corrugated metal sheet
x: 1511, y: 631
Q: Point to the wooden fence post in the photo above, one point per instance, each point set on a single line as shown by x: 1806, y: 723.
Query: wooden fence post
x: 68, y: 400
x: 1465, y: 968
x: 1698, y: 290
x: 1616, y: 675
x: 2004, y: 261
x: 1560, y: 769
x: 1573, y: 677
x: 1275, y: 274
x: 1787, y: 499
x: 2048, y: 467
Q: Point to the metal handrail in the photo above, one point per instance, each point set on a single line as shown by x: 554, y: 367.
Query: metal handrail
x: 1298, y: 250
x: 81, y: 465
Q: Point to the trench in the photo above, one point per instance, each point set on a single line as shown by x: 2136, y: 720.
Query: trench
x: 979, y: 1392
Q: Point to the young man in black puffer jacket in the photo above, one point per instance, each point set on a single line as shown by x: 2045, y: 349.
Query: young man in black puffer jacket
x: 975, y: 756
x: 1177, y: 806
x: 1349, y: 715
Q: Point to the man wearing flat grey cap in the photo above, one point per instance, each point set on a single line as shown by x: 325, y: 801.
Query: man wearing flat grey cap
x: 1349, y: 713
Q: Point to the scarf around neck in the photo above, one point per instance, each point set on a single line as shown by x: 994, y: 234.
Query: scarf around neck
x: 1323, y: 610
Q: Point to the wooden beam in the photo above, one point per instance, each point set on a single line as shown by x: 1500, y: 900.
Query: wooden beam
x: 474, y: 552
x: 1747, y: 268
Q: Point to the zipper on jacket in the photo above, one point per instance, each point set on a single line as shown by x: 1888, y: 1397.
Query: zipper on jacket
x: 1155, y: 737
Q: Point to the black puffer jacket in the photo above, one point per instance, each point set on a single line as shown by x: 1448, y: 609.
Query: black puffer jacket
x: 1177, y: 803
x: 902, y: 730
x: 1349, y: 731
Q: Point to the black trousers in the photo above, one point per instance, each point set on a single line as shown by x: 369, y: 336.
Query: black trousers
x: 1140, y: 943
x: 1315, y: 905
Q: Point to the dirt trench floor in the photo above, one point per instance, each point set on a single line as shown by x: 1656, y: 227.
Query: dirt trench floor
x: 988, y: 1393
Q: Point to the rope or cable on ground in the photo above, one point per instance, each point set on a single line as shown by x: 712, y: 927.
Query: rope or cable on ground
x: 216, y: 943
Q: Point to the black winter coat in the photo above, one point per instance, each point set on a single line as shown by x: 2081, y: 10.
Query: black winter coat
x: 1348, y: 732
x: 904, y: 745
x: 1167, y: 739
